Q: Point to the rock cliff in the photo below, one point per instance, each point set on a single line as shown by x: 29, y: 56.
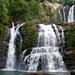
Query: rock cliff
x: 69, y: 54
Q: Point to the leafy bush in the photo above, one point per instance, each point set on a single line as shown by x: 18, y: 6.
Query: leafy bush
x: 18, y: 10
x: 2, y: 29
x: 64, y: 2
x: 29, y: 34
x: 70, y: 37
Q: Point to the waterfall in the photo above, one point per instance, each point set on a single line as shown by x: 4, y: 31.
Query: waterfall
x: 46, y: 56
x: 20, y: 41
x: 71, y: 15
x: 57, y: 0
x: 11, y: 57
x: 60, y: 15
x: 64, y: 14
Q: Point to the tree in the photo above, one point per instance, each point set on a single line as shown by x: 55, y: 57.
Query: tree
x: 3, y: 11
x: 18, y: 10
x: 34, y: 9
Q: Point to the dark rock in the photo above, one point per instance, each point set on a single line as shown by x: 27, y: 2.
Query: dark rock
x: 4, y: 48
x: 39, y: 74
x: 69, y: 49
x: 35, y: 21
x: 18, y: 48
x: 66, y: 25
x: 69, y: 59
x: 28, y: 51
x: 73, y: 72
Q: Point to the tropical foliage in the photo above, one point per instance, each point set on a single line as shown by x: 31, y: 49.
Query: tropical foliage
x: 70, y: 37
x: 14, y: 10
x: 29, y: 34
x: 65, y: 2
x: 17, y: 11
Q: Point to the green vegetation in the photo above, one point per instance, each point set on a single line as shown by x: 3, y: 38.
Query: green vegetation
x: 17, y: 11
x: 22, y: 11
x: 29, y: 34
x: 67, y: 2
x: 64, y: 2
x: 70, y: 37
x: 2, y: 32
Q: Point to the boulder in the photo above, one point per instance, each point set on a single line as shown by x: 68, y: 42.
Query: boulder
x: 73, y: 72
x: 39, y: 74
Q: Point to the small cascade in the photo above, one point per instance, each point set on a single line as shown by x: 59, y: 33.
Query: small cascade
x: 64, y: 14
x: 46, y: 56
x: 57, y: 0
x: 20, y: 41
x: 62, y: 39
x: 57, y: 34
x: 11, y: 57
x: 60, y: 15
x: 71, y: 14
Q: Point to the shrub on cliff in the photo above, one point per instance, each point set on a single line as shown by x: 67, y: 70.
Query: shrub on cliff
x: 17, y: 11
x: 70, y: 37
x: 64, y: 2
x: 29, y: 34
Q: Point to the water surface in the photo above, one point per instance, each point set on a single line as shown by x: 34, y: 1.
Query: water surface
x: 22, y: 73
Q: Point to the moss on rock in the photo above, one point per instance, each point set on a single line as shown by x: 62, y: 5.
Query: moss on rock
x: 70, y: 46
x: 4, y: 40
x: 29, y: 34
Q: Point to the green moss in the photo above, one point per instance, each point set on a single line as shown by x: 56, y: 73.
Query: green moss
x: 29, y: 34
x: 2, y: 30
x: 71, y: 56
x: 70, y: 37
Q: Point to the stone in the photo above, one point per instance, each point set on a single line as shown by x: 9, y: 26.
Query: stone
x: 4, y: 48
x: 39, y: 74
x: 73, y: 72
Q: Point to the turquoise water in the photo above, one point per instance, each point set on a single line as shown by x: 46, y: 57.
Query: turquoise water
x: 11, y: 73
x: 22, y: 73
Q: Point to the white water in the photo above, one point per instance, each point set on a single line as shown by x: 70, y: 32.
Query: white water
x: 64, y: 14
x: 57, y: 0
x: 46, y: 56
x: 64, y: 17
x: 60, y: 15
x: 11, y: 57
x: 71, y: 14
x: 20, y: 41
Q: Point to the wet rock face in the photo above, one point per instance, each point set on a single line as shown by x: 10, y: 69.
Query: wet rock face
x: 73, y: 72
x: 70, y: 60
x: 69, y: 57
x: 4, y: 43
x: 66, y: 25
x: 4, y: 48
x: 18, y: 48
x: 69, y: 54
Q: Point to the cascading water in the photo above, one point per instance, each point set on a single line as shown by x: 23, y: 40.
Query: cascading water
x: 11, y: 57
x: 20, y: 41
x: 60, y: 15
x: 71, y: 14
x: 64, y: 15
x: 46, y: 56
x: 57, y: 0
